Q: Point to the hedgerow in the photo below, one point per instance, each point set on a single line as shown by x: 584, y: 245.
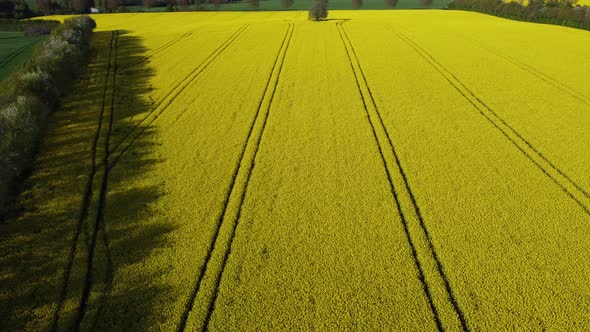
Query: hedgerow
x: 11, y: 24
x: 559, y: 12
x: 32, y: 92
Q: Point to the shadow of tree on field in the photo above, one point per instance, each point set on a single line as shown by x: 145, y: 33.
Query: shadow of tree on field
x: 41, y: 282
x: 337, y: 19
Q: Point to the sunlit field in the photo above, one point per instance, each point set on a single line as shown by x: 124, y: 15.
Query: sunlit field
x: 380, y: 170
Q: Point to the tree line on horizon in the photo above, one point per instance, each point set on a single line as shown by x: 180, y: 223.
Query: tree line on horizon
x: 558, y: 12
x: 20, y: 9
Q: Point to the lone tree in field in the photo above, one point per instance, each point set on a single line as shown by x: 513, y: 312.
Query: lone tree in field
x: 426, y: 3
x: 356, y: 4
x: 287, y: 3
x: 319, y: 10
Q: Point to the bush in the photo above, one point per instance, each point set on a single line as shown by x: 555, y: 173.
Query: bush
x: 38, y: 83
x: 20, y: 123
x: 31, y: 93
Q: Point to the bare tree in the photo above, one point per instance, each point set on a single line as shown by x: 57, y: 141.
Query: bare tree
x: 356, y: 4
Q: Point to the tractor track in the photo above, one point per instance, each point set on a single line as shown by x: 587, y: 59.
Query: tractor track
x: 533, y: 71
x: 176, y: 91
x: 99, y: 222
x: 88, y: 194
x: 16, y: 53
x: 161, y: 48
x: 188, y: 77
x: 277, y: 67
x: 432, y: 250
x: 522, y: 144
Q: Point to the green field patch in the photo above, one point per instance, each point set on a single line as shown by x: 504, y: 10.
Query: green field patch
x: 15, y: 49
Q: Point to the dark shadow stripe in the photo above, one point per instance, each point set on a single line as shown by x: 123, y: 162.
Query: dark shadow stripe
x: 101, y: 204
x: 88, y: 193
x: 103, y: 197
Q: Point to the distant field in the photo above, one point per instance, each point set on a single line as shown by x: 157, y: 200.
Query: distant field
x: 15, y: 49
x: 305, y: 4
x: 579, y: 2
x: 382, y: 170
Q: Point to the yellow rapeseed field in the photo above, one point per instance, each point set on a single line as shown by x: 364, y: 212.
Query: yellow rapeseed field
x: 579, y: 2
x: 381, y: 170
